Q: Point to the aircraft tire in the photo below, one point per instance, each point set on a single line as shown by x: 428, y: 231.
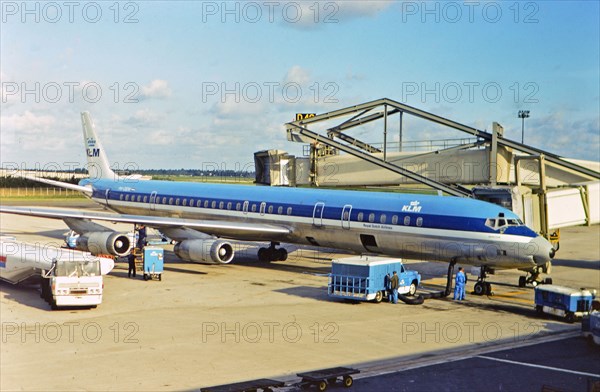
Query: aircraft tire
x: 263, y: 255
x: 418, y: 300
x: 281, y: 254
x: 479, y: 288
x: 488, y: 289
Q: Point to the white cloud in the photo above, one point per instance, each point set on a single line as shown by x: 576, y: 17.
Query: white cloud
x: 299, y: 75
x: 157, y: 88
x: 28, y: 122
x: 310, y: 14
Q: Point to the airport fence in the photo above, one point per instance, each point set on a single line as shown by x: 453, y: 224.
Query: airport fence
x: 37, y: 192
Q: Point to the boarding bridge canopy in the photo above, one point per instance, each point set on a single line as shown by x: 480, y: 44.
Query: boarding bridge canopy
x: 381, y: 109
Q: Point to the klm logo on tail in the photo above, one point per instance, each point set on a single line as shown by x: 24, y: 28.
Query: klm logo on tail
x: 91, y: 150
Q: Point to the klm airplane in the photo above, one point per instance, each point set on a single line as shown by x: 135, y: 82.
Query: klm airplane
x: 203, y: 217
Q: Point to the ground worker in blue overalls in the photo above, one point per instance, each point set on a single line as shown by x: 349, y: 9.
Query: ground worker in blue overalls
x: 459, y: 287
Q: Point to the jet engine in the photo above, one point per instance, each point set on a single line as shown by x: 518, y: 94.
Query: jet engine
x: 104, y: 242
x: 205, y: 251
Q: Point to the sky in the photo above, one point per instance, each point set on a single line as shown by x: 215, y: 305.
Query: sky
x: 201, y: 85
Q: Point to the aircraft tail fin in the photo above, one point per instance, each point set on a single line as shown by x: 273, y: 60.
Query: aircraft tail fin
x: 98, y: 165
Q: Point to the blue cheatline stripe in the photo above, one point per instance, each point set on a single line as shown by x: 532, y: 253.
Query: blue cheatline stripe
x: 427, y: 211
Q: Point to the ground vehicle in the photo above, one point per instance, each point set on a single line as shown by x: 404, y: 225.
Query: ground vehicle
x: 69, y: 277
x: 590, y: 327
x: 153, y: 262
x: 364, y: 278
x: 563, y: 301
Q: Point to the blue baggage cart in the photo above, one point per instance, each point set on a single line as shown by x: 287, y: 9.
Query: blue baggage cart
x: 153, y: 262
x: 563, y: 301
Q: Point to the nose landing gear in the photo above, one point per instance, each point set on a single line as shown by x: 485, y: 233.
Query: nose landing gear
x: 482, y: 287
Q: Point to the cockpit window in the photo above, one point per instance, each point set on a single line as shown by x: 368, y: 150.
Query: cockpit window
x: 501, y: 223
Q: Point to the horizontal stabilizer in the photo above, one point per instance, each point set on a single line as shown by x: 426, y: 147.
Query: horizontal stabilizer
x: 60, y: 184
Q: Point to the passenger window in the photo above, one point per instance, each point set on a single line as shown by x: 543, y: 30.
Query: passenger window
x: 164, y: 200
x: 199, y: 203
x: 221, y: 205
x: 145, y: 199
x: 253, y: 207
x: 177, y: 201
x: 280, y: 210
x: 346, y: 215
x: 229, y: 205
x: 126, y: 197
x: 185, y: 202
x: 270, y: 210
x: 121, y: 197
x: 383, y: 218
x: 170, y: 200
x: 289, y: 210
x: 407, y: 221
x: 206, y: 203
x: 419, y: 221
x: 238, y: 206
x: 395, y: 220
x: 371, y: 217
x: 213, y: 204
x: 360, y: 217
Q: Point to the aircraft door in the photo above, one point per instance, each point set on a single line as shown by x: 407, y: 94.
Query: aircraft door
x: 153, y: 201
x: 318, y: 214
x: 346, y: 216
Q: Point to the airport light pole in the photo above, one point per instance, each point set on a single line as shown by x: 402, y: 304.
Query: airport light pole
x: 523, y: 114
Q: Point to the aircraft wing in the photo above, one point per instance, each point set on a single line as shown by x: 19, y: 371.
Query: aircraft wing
x: 237, y: 230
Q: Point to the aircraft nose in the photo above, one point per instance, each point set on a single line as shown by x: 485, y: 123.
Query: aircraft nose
x: 543, y: 251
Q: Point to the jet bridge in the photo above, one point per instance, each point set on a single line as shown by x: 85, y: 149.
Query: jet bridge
x: 383, y: 108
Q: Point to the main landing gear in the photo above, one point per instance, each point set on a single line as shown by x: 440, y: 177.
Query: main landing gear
x: 272, y: 253
x: 482, y: 287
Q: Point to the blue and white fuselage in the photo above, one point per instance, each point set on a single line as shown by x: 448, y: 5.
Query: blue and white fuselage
x: 401, y: 225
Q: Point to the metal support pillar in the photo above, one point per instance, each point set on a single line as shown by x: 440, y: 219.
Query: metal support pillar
x: 384, y: 133
x: 400, y: 134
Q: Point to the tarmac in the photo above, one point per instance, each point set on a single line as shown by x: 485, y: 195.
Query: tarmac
x: 206, y: 325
